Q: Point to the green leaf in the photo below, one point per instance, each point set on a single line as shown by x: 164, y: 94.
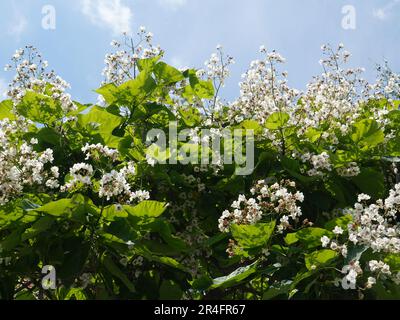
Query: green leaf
x: 39, y: 108
x: 310, y: 237
x: 202, y: 283
x: 135, y: 91
x: 147, y: 208
x: 341, y: 222
x: 49, y: 136
x: 158, y: 153
x: 75, y: 254
x: 6, y: 110
x: 354, y: 253
x: 367, y: 134
x: 110, y: 213
x: 43, y: 224
x: 190, y: 116
x: 168, y: 261
x: 319, y: 258
x: 251, y: 125
x: 393, y: 260
x: 202, y: 89
x: 146, y: 111
x: 167, y: 74
x: 371, y: 182
x: 111, y: 238
x: 235, y: 278
x: 252, y: 236
x: 106, y: 121
x: 57, y: 208
x: 313, y: 134
x: 109, y: 93
x: 277, y: 289
x: 291, y: 238
x: 75, y: 208
x: 76, y: 293
x: 292, y: 166
x: 170, y: 290
x: 386, y: 290
x: 11, y: 241
x: 301, y: 276
x: 277, y: 120
x: 337, y: 189
x: 215, y: 239
x: 79, y: 108
x: 116, y: 272
x: 148, y: 64
x: 28, y: 205
x: 99, y: 122
x: 165, y: 230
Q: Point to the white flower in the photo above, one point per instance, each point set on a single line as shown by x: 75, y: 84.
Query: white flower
x: 344, y: 251
x: 278, y: 196
x: 151, y: 161
x: 140, y: 195
x: 352, y: 271
x: 130, y: 244
x: 371, y: 281
x: 363, y: 197
x: 94, y: 150
x: 338, y: 230
x: 325, y: 241
x: 379, y: 266
x: 113, y: 184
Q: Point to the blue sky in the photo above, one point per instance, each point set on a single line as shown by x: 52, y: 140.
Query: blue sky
x: 189, y: 31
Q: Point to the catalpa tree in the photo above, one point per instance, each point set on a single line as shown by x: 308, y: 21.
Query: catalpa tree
x: 132, y: 197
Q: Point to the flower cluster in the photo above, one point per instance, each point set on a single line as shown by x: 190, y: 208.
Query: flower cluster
x: 320, y: 163
x: 312, y: 136
x: 336, y: 97
x: 31, y: 75
x: 20, y: 165
x: 96, y: 151
x: 115, y: 184
x: 263, y: 90
x: 325, y: 111
x: 81, y: 175
x: 375, y: 227
x: 334, y: 245
x: 279, y: 199
x: 111, y: 185
x: 122, y: 65
x: 349, y: 170
x: 351, y: 271
x: 217, y: 67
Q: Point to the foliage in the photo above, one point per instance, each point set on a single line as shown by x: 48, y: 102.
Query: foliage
x: 76, y: 183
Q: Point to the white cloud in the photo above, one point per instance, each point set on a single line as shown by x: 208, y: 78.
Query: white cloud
x: 18, y: 26
x: 173, y: 4
x: 380, y: 14
x: 3, y: 89
x: 112, y: 14
x: 383, y: 12
x: 179, y: 63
